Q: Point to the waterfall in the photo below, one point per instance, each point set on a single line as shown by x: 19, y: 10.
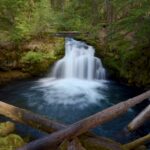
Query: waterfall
x: 75, y: 79
x: 79, y: 62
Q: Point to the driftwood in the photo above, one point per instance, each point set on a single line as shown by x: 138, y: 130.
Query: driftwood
x: 29, y: 118
x: 84, y: 125
x: 26, y: 117
x: 140, y: 119
x: 137, y: 143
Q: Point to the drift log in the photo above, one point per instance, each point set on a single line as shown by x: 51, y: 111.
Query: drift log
x: 84, y: 125
x: 140, y: 119
x: 71, y: 145
x: 93, y: 142
x: 26, y: 117
x: 138, y: 142
x: 29, y: 118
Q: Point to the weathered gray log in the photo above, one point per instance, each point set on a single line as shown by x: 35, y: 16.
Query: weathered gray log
x: 75, y: 145
x: 93, y: 142
x: 140, y: 119
x: 29, y: 118
x: 71, y: 145
x: 36, y: 121
x: 137, y: 142
x: 84, y: 125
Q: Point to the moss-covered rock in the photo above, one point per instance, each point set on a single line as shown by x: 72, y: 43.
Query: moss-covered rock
x: 11, y: 142
x: 29, y: 58
x: 6, y: 128
x: 8, y: 140
x: 124, y: 61
x: 8, y: 76
x: 131, y: 66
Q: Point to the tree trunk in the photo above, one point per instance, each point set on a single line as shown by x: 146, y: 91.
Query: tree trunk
x: 140, y: 119
x: 84, y: 125
x: 29, y: 118
x: 75, y: 145
x: 36, y: 121
x: 138, y: 142
x: 71, y: 145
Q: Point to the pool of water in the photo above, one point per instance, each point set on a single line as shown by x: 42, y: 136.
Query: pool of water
x: 69, y: 100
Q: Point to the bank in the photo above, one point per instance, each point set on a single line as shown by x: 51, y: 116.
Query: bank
x: 29, y: 59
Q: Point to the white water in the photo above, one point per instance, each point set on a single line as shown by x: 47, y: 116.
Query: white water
x: 77, y: 79
x: 79, y: 62
x: 75, y: 92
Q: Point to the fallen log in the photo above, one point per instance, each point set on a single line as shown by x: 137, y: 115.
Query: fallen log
x: 137, y: 143
x: 68, y: 33
x: 75, y: 145
x: 93, y: 142
x: 140, y: 119
x: 36, y: 121
x: 26, y: 117
x: 71, y: 145
x: 84, y: 125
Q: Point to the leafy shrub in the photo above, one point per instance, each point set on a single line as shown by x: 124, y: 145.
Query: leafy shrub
x: 35, y: 57
x: 36, y: 63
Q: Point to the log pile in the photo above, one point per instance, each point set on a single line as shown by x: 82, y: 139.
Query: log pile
x: 75, y: 136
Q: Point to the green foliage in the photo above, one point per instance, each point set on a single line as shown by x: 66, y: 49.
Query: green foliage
x: 11, y: 142
x: 36, y: 57
x: 133, y: 16
x: 124, y: 22
x: 37, y: 63
x: 80, y: 16
x: 33, y: 57
x: 21, y: 19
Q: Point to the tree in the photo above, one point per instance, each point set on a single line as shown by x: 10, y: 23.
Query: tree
x: 20, y: 19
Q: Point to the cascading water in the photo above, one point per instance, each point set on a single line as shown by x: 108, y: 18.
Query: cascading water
x: 75, y: 77
x: 79, y: 62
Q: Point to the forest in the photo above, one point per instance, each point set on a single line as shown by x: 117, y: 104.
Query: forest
x: 118, y: 29
x: 40, y: 73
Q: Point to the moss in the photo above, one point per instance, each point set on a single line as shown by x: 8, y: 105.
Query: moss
x: 38, y: 59
x: 11, y: 142
x: 6, y: 128
x: 8, y: 140
x: 6, y: 77
x: 30, y: 58
x: 124, y: 59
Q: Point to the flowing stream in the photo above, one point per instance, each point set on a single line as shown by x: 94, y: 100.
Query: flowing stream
x: 75, y: 88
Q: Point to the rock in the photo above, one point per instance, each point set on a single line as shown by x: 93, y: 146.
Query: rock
x: 6, y: 77
x: 11, y: 142
x: 6, y: 128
